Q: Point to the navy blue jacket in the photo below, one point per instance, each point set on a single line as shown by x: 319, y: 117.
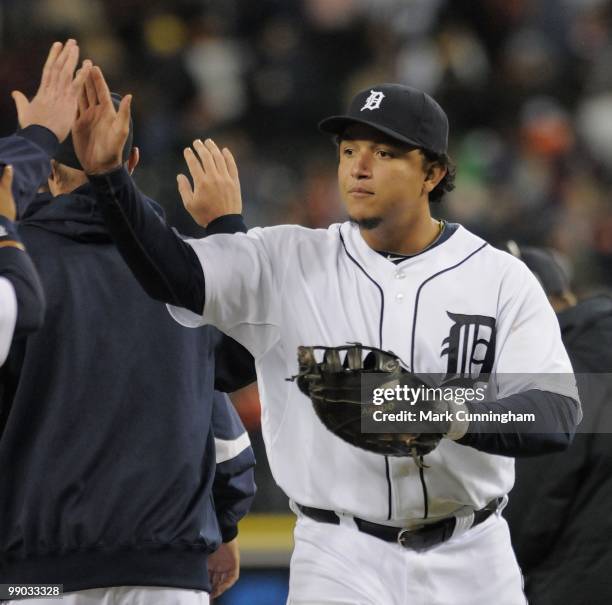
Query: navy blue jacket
x: 107, y: 455
x: 558, y: 510
x: 234, y: 485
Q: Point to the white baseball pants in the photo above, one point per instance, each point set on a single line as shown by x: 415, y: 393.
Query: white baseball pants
x: 339, y: 565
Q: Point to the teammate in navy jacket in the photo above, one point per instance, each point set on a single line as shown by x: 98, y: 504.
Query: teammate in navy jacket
x: 24, y: 165
x: 107, y: 446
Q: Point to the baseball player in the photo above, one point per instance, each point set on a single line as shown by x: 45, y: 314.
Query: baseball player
x: 24, y: 166
x: 371, y: 529
x: 108, y: 444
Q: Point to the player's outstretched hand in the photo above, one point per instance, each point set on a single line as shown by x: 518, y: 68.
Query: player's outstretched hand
x: 216, y: 187
x: 224, y: 567
x: 55, y: 103
x: 7, y: 201
x: 100, y: 132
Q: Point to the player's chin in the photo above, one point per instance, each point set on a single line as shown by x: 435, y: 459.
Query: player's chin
x: 365, y: 222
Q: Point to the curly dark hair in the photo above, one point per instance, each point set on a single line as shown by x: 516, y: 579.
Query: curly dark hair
x: 447, y: 184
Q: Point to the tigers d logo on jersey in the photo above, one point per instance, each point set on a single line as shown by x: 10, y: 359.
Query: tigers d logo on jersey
x: 470, y: 346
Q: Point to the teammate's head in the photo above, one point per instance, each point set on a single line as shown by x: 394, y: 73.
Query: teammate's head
x: 398, y: 123
x: 550, y: 274
x: 66, y: 171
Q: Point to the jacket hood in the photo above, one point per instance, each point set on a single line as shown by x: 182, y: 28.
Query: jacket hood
x: 74, y: 215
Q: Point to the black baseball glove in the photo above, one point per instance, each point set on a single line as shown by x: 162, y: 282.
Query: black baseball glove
x: 337, y: 385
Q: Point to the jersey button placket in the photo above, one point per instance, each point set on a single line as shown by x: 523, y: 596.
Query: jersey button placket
x: 399, y: 295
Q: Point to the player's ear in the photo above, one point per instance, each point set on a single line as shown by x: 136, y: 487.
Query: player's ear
x: 434, y: 173
x: 133, y: 159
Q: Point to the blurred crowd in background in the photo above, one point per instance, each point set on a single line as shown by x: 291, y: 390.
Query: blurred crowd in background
x: 527, y: 85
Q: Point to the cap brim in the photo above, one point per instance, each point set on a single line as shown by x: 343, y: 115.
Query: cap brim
x: 337, y: 125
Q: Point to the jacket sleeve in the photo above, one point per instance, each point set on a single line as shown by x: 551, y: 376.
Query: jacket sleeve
x: 234, y: 483
x: 22, y: 299
x: 166, y: 266
x: 29, y: 152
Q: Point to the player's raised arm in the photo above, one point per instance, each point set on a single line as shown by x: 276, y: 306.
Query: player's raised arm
x: 44, y: 121
x: 164, y: 264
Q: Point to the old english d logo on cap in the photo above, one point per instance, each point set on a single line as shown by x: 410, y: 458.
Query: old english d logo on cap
x: 401, y: 112
x: 374, y: 100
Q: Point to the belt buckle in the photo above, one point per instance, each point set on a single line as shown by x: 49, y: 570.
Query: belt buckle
x: 409, y: 538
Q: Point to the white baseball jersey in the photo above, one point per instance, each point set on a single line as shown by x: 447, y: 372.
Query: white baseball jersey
x: 277, y: 288
x: 8, y: 316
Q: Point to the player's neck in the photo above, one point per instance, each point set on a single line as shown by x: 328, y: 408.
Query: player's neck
x: 406, y: 238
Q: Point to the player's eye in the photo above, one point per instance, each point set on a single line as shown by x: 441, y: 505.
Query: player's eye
x: 384, y: 153
x: 347, y: 151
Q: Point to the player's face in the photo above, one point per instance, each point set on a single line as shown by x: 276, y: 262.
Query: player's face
x: 380, y: 179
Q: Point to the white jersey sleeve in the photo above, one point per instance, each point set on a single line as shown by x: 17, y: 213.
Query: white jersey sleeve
x: 242, y: 288
x: 8, y: 316
x: 530, y: 352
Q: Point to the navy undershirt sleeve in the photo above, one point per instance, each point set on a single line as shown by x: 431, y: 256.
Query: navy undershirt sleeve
x: 166, y: 267
x: 556, y: 418
x: 16, y: 266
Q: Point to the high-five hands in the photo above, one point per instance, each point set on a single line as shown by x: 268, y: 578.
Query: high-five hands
x: 216, y: 187
x: 55, y: 103
x: 100, y: 132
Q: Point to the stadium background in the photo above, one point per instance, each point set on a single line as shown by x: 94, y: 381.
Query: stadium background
x: 527, y: 85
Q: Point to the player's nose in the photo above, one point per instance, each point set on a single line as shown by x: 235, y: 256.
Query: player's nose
x: 362, y: 166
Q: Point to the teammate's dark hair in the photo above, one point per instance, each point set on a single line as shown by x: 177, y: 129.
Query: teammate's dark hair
x: 447, y: 183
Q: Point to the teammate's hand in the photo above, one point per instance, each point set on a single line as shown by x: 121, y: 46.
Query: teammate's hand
x: 216, y: 187
x: 224, y: 567
x: 7, y: 201
x: 55, y: 103
x: 99, y: 132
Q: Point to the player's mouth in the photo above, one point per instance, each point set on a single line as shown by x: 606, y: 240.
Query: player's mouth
x: 360, y: 192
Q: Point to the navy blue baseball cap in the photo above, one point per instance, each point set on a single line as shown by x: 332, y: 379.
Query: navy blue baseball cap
x: 401, y: 112
x: 67, y: 156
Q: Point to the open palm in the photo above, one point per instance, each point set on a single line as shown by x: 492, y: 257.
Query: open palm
x: 100, y: 132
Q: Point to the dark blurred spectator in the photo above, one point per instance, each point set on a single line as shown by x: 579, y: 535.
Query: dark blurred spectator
x: 558, y: 509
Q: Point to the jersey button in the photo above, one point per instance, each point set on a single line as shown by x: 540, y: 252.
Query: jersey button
x: 399, y: 297
x: 400, y: 275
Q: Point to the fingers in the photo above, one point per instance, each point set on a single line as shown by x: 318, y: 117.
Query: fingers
x: 81, y: 76
x: 69, y: 65
x: 232, y: 168
x: 91, y: 97
x: 101, y: 88
x: 193, y: 164
x: 217, y: 157
x: 55, y: 50
x: 215, y: 160
x: 56, y: 76
x: 205, y: 154
x: 184, y: 188
x: 123, y: 114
